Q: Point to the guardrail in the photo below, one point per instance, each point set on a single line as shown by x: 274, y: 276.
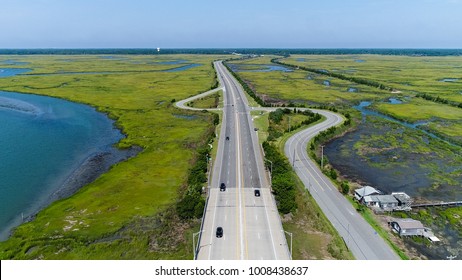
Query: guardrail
x: 196, y: 250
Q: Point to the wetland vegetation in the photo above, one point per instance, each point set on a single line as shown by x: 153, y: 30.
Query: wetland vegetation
x: 127, y: 213
x: 101, y: 220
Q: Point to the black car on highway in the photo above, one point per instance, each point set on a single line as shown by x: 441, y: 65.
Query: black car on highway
x: 256, y: 192
x: 219, y: 232
x: 222, y: 187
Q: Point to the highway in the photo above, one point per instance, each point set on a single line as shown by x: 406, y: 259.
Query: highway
x: 360, y: 237
x: 251, y: 225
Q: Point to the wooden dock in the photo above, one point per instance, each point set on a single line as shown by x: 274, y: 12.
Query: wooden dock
x: 436, y: 204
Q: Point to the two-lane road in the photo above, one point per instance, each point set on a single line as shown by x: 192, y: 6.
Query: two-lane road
x: 360, y: 237
x: 251, y: 224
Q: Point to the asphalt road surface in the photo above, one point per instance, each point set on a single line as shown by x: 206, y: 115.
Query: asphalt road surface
x: 360, y: 237
x: 251, y: 225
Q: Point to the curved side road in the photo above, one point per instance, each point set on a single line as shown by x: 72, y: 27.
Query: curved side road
x: 360, y: 237
x: 181, y: 103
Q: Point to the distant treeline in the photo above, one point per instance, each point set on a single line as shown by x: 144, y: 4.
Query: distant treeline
x: 257, y: 51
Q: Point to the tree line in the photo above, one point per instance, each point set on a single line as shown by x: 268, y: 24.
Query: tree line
x: 356, y: 80
x: 192, y: 204
x: 283, y: 182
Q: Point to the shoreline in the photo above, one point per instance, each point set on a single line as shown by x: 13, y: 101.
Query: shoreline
x: 86, y: 172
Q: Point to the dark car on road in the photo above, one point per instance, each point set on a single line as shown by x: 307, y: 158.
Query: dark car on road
x: 256, y: 192
x: 222, y: 187
x: 219, y: 232
x: 227, y: 137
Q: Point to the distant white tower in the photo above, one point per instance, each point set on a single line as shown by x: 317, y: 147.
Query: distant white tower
x: 158, y: 49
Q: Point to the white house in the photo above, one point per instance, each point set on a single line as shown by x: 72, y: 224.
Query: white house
x: 365, y: 191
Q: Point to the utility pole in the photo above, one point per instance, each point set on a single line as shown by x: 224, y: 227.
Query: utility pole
x: 348, y: 240
x: 293, y: 159
x: 209, y: 159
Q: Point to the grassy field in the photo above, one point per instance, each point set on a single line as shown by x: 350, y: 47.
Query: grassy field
x: 207, y: 102
x: 432, y: 75
x: 440, y: 119
x: 303, y: 87
x: 126, y: 213
x: 436, y: 77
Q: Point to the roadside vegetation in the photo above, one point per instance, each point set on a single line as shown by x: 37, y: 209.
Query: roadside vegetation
x: 131, y: 211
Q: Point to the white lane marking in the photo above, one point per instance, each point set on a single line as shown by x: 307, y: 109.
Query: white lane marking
x: 239, y: 176
x: 269, y: 226
x: 213, y: 227
x: 259, y: 236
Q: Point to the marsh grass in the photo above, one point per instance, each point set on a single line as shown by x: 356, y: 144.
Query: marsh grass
x: 137, y: 189
x: 437, y: 77
x: 207, y: 102
x: 303, y: 87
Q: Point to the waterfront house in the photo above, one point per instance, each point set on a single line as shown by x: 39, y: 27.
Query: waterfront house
x: 411, y: 227
x: 404, y: 201
x: 386, y: 202
x: 365, y: 191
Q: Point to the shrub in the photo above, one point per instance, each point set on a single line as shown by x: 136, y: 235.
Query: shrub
x: 345, y: 187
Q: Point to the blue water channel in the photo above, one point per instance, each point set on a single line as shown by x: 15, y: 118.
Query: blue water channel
x: 43, y: 140
x: 366, y: 112
x: 8, y: 72
x: 182, y: 68
x: 262, y: 68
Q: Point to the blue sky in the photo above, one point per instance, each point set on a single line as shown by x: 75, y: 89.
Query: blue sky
x: 231, y: 24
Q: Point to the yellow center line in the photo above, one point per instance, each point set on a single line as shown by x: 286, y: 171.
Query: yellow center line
x: 237, y: 190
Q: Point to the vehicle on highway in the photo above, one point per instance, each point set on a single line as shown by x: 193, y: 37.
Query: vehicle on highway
x: 227, y: 137
x: 219, y: 232
x: 222, y: 187
x: 256, y: 192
